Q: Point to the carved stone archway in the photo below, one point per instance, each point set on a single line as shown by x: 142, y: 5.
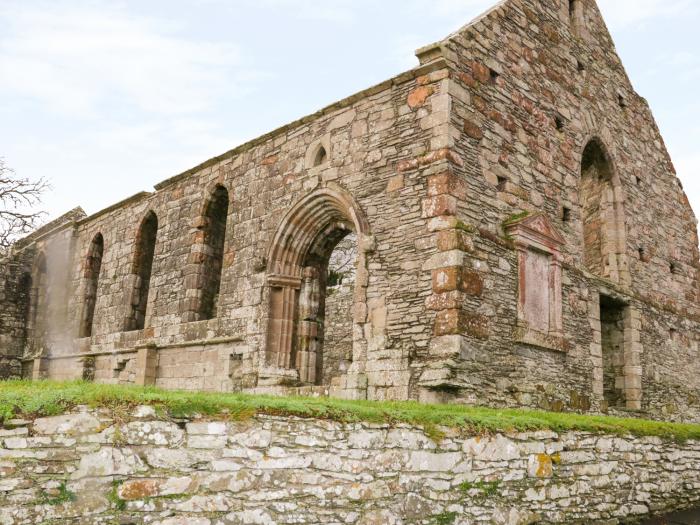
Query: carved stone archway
x: 296, y: 267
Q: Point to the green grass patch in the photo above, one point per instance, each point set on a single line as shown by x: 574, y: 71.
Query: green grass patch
x: 113, y: 497
x: 47, y: 398
x: 62, y: 496
x: 487, y: 488
x: 446, y: 518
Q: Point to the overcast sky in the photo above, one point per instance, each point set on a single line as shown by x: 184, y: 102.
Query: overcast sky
x: 107, y: 98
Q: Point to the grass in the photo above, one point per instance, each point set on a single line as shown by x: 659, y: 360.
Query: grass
x: 446, y: 518
x: 47, y: 398
x: 113, y: 497
x: 63, y: 495
x: 488, y: 488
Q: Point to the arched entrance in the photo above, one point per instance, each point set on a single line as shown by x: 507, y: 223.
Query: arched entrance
x: 301, y: 254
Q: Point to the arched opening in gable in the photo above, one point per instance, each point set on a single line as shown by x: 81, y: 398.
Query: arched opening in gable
x: 91, y: 276
x: 321, y: 156
x: 603, y: 216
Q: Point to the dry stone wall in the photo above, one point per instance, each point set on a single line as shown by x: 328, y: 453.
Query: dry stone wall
x: 85, y: 467
x: 516, y: 157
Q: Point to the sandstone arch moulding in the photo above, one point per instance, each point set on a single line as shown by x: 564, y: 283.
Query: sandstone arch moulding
x: 296, y: 281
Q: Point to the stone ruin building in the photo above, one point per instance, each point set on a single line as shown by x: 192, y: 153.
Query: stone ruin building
x: 501, y: 225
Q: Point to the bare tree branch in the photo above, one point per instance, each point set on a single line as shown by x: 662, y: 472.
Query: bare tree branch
x: 18, y: 198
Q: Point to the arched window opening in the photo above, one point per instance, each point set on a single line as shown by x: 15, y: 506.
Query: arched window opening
x: 313, y: 288
x: 602, y: 214
x: 91, y: 275
x: 321, y: 156
x: 212, y: 252
x: 141, y: 272
x: 25, y: 291
x: 37, y: 306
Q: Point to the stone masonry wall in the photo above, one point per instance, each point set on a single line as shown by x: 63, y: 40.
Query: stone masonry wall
x: 531, y: 88
x: 14, y: 288
x: 525, y: 114
x: 365, y: 137
x: 88, y: 468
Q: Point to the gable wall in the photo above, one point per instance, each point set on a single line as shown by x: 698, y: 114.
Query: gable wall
x: 506, y: 128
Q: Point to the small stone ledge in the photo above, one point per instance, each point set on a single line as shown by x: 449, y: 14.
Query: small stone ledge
x: 530, y: 337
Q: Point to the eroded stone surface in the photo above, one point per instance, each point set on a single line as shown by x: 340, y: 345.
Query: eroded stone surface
x: 360, y: 473
x: 516, y: 235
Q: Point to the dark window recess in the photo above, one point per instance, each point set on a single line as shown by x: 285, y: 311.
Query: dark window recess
x: 494, y: 76
x: 612, y: 325
x: 212, y: 265
x: 141, y: 271
x: 566, y: 214
x: 93, y: 264
x: 673, y: 268
x: 580, y: 66
x: 638, y: 180
x: 501, y: 184
x: 559, y: 123
x: 642, y: 255
x: 574, y: 14
x: 622, y: 101
x: 321, y: 156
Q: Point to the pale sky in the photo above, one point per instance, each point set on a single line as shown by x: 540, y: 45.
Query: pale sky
x: 107, y: 98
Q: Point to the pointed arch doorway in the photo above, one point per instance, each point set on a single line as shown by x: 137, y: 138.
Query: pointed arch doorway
x: 298, y: 274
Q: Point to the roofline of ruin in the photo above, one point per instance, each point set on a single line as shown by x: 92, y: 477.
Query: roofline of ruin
x: 399, y: 79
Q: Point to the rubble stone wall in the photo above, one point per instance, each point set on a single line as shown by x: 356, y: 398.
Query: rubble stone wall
x: 14, y: 287
x: 85, y: 467
x: 525, y: 105
x: 522, y: 127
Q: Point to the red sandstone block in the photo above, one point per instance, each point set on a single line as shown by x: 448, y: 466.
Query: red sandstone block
x: 447, y: 279
x: 471, y: 282
x: 473, y: 130
x: 439, y: 206
x: 417, y: 97
x: 481, y: 72
x: 447, y: 323
x: 459, y: 322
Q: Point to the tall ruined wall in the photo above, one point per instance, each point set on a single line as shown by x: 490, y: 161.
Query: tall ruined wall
x: 364, y: 137
x: 87, y: 468
x: 532, y: 85
x: 14, y: 292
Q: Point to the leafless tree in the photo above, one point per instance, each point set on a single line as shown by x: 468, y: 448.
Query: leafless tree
x: 18, y: 200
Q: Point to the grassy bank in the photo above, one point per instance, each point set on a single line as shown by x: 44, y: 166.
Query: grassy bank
x: 27, y: 399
